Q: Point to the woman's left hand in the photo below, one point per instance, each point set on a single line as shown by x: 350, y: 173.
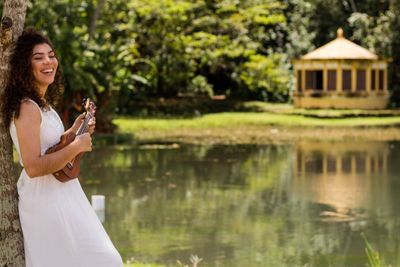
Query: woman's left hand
x: 92, y: 125
x: 79, y: 120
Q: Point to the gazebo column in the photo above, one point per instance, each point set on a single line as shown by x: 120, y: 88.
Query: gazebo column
x: 385, y: 81
x: 325, y: 78
x: 377, y: 80
x: 339, y: 78
x: 303, y: 79
x: 325, y: 165
x: 353, y: 77
x: 339, y: 165
x: 368, y: 79
x: 353, y: 166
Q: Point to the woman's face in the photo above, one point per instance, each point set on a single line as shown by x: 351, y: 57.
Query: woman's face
x: 44, y: 66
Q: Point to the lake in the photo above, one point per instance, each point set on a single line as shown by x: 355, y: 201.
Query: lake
x: 294, y: 204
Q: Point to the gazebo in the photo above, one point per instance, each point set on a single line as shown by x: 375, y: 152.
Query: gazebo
x: 341, y: 74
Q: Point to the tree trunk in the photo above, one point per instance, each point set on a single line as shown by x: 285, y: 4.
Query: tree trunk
x: 11, y: 240
x: 353, y: 6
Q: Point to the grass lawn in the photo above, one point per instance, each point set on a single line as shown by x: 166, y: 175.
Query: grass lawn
x: 256, y: 127
x: 251, y: 119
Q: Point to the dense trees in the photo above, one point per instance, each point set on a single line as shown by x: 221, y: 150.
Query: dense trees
x: 121, y: 52
x: 142, y: 49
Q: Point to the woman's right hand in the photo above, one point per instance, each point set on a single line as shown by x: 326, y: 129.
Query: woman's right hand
x: 84, y: 142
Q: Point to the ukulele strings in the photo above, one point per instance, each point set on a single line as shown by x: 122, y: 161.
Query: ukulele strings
x: 85, y: 125
x: 82, y: 130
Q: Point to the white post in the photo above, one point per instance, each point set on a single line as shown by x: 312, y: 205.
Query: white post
x: 98, y: 204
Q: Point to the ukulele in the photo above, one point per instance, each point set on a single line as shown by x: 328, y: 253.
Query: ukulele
x: 72, y: 169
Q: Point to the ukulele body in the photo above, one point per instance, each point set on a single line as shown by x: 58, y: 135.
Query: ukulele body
x: 71, y: 170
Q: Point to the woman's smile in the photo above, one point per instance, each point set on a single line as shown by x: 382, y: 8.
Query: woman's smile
x: 44, y: 66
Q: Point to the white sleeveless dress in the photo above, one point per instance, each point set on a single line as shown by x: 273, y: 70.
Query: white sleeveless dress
x: 59, y: 225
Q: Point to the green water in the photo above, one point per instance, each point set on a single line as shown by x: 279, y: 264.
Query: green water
x: 300, y: 204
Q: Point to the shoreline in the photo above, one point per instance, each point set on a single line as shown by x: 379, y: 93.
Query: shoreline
x: 251, y: 134
x: 252, y: 128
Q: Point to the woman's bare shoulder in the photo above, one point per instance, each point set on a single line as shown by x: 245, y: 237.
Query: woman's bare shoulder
x: 29, y: 110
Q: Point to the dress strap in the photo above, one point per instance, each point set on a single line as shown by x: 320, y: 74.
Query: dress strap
x: 30, y: 100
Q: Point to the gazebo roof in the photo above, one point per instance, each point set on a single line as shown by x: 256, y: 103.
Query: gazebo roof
x: 340, y: 48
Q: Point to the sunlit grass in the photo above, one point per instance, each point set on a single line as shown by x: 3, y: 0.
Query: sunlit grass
x: 257, y: 128
x: 252, y: 119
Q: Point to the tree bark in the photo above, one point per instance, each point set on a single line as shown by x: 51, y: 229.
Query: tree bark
x: 11, y: 240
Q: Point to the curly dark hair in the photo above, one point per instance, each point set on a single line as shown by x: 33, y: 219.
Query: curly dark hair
x: 20, y: 80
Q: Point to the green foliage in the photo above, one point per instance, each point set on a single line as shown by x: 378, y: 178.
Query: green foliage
x: 262, y: 72
x: 374, y: 259
x: 214, y: 40
x: 378, y: 31
x: 299, y: 35
x: 200, y: 86
x: 135, y: 50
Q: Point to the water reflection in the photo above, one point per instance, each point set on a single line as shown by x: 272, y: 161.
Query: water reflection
x: 340, y: 158
x: 275, y: 205
x: 341, y: 175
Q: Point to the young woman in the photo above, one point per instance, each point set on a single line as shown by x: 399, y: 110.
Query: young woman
x: 59, y: 226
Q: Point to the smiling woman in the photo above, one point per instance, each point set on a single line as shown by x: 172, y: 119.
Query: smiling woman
x: 59, y: 226
x: 33, y: 58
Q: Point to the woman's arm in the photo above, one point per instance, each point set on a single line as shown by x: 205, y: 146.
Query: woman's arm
x: 28, y: 133
x: 75, y: 127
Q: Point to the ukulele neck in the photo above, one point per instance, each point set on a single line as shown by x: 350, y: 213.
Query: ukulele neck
x: 85, y: 125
